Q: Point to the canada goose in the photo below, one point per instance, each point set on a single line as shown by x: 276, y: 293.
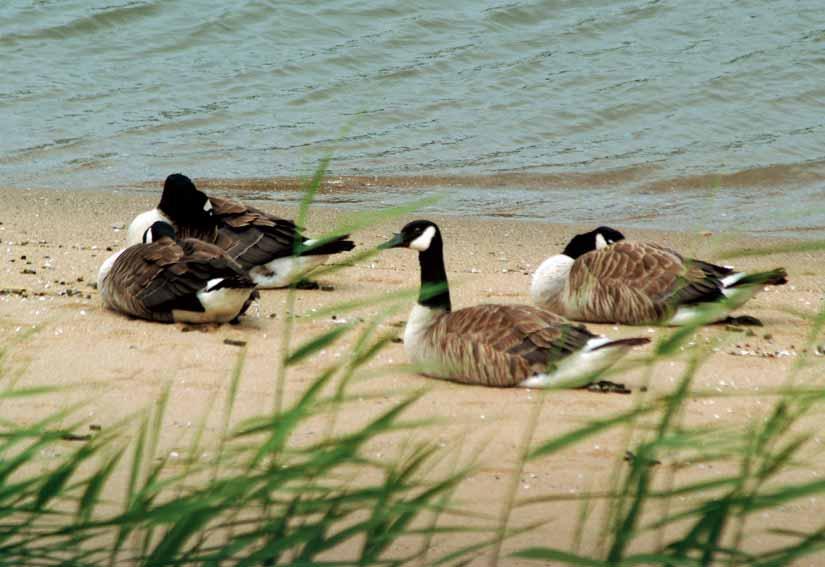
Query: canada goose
x: 602, y: 278
x: 494, y: 345
x: 261, y: 243
x: 170, y: 280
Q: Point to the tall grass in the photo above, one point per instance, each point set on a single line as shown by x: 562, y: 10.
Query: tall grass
x: 267, y: 496
x: 707, y: 521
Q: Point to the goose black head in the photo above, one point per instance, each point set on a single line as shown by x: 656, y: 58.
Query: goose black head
x: 421, y: 235
x: 605, y: 236
x: 183, y: 202
x: 597, y: 239
x: 157, y: 231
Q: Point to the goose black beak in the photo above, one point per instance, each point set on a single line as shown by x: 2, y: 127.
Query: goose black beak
x: 397, y: 241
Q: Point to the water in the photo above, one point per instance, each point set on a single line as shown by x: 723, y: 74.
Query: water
x: 663, y: 114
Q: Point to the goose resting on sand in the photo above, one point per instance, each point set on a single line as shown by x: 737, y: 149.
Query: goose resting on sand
x: 603, y: 278
x: 272, y: 249
x: 169, y: 280
x: 495, y: 345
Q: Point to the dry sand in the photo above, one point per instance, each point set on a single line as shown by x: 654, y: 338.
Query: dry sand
x: 54, y: 241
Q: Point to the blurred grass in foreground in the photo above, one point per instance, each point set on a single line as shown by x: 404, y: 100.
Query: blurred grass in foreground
x: 265, y: 498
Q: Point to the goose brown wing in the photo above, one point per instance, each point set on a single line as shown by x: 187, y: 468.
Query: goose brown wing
x: 502, y: 345
x: 251, y: 236
x: 632, y: 282
x: 711, y: 270
x: 175, y: 271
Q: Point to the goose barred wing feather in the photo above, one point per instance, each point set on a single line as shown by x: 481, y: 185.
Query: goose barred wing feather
x: 502, y: 345
x: 711, y: 270
x: 251, y: 236
x: 176, y: 271
x: 638, y: 283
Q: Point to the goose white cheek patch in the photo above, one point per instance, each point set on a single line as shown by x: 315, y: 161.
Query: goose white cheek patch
x: 600, y: 242
x: 207, y: 206
x: 142, y: 223
x: 423, y: 242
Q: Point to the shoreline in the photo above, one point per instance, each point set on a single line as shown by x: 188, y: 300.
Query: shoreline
x: 119, y: 365
x: 693, y: 204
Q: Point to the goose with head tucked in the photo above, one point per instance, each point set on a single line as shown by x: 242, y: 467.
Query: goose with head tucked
x: 602, y: 278
x: 169, y: 280
x: 495, y: 345
x: 272, y: 249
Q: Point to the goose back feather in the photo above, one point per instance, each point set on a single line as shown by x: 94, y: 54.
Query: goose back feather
x: 634, y: 283
x: 153, y: 281
x: 496, y: 345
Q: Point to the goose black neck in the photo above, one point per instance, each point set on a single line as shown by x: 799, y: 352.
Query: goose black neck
x: 435, y: 291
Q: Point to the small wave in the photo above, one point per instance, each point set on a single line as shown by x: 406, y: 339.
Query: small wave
x: 779, y: 175
x: 100, y: 19
x: 644, y: 178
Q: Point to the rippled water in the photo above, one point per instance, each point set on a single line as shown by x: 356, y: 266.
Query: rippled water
x: 654, y: 113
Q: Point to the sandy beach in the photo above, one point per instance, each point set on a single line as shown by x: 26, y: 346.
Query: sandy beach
x: 54, y: 241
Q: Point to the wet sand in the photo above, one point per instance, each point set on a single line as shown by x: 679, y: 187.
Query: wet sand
x: 54, y: 241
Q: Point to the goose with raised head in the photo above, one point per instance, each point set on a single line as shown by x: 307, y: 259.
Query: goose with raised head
x: 494, y: 345
x: 602, y: 278
x: 272, y: 249
x: 169, y: 280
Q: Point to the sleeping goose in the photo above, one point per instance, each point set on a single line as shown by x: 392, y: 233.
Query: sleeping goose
x: 494, y: 345
x: 261, y: 243
x: 170, y: 280
x: 601, y: 277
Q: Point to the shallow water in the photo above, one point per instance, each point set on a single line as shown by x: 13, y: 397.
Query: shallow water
x: 665, y: 114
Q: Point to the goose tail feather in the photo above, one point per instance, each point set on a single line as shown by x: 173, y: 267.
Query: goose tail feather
x: 772, y: 277
x: 627, y: 343
x: 339, y: 244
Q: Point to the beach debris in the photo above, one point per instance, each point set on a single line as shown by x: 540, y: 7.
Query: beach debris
x: 68, y: 436
x: 306, y: 284
x: 19, y: 291
x: 742, y: 321
x: 234, y: 342
x: 631, y: 457
x: 397, y: 340
x: 118, y: 226
x: 327, y: 287
x: 95, y: 427
x: 28, y: 271
x: 606, y: 387
x: 746, y: 349
x: 70, y: 292
x: 202, y: 327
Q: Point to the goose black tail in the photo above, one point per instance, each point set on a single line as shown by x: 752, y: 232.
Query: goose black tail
x: 631, y: 342
x: 773, y: 277
x: 339, y: 244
